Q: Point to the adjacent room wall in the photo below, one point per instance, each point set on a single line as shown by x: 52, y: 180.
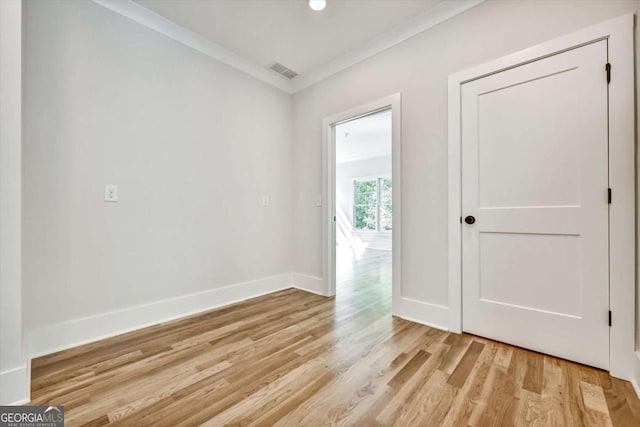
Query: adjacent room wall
x: 193, y: 146
x: 418, y: 68
x: 346, y: 173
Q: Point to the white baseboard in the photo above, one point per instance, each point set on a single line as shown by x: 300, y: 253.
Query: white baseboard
x: 635, y: 381
x: 433, y: 315
x: 60, y: 336
x: 308, y: 283
x: 14, y: 386
x: 635, y: 387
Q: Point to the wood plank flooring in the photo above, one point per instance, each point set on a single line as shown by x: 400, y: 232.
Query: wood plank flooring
x: 298, y: 359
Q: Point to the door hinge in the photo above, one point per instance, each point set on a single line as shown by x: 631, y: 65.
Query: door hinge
x: 608, y: 69
x: 460, y: 220
x: 609, y: 195
x: 609, y: 317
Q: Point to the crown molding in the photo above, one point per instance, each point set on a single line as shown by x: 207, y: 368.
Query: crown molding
x: 162, y: 25
x: 422, y: 22
x: 431, y: 17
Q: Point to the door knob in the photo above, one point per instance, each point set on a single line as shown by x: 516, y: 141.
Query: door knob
x: 470, y: 219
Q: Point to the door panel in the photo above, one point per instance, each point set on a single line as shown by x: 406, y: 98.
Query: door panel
x: 535, y: 177
x: 523, y: 155
x: 522, y: 270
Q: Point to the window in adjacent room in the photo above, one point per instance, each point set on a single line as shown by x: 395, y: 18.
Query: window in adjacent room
x: 372, y: 204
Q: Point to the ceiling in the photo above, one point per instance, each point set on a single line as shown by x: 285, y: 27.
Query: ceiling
x: 288, y: 31
x: 363, y: 138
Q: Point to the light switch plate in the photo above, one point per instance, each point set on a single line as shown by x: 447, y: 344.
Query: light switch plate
x: 318, y: 200
x: 265, y: 200
x: 110, y: 193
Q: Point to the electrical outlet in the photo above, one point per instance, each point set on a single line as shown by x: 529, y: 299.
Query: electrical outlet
x: 265, y: 200
x: 110, y: 193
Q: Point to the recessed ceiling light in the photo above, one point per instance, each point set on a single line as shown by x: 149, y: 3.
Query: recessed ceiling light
x: 317, y: 4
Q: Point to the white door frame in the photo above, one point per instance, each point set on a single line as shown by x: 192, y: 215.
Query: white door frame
x: 391, y: 102
x: 619, y: 33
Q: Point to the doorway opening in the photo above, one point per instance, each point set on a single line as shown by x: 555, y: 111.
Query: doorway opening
x: 362, y: 213
x: 364, y: 206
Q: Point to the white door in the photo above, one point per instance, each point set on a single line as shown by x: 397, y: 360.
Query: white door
x: 535, y: 178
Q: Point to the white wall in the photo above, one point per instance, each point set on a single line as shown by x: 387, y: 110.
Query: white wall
x: 346, y: 173
x: 192, y: 144
x: 14, y: 386
x: 418, y: 68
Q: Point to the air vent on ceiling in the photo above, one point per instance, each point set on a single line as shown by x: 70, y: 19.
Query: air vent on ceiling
x: 282, y: 70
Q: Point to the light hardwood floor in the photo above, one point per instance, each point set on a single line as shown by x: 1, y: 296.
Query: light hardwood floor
x: 297, y: 359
